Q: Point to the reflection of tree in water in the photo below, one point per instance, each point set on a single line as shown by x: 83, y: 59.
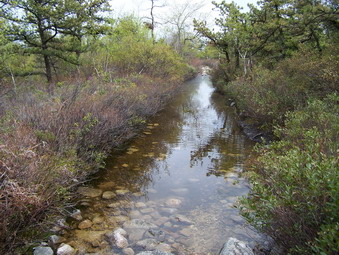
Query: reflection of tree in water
x: 225, y: 147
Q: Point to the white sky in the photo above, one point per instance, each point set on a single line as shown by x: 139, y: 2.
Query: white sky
x: 142, y: 7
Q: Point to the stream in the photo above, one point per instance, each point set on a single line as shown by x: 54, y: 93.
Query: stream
x: 174, y: 187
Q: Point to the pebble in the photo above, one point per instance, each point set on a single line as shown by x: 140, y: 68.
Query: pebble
x: 164, y: 247
x: 173, y: 202
x: 108, y: 195
x: 147, y: 210
x: 98, y: 220
x: 147, y: 244
x: 76, y: 214
x: 135, y: 214
x: 140, y: 205
x: 120, y: 241
x: 161, y: 221
x: 120, y: 231
x: 85, y: 224
x: 106, y: 185
x: 153, y: 191
x: 89, y: 192
x: 186, y: 232
x: 128, y: 251
x: 122, y: 191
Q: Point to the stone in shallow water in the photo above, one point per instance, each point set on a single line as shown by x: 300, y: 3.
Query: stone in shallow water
x: 169, y: 210
x: 135, y: 214
x: 94, y: 238
x: 161, y: 221
x: 148, y: 244
x: 180, y: 190
x: 173, y: 202
x: 98, y: 220
x: 120, y: 231
x: 136, y: 234
x: 137, y: 223
x: 120, y: 241
x: 147, y: 210
x: 140, y: 205
x: 108, y: 195
x: 186, y: 232
x: 43, y: 251
x: 122, y: 191
x: 106, y: 185
x: 154, y: 253
x: 178, y: 218
x: 65, y: 249
x: 119, y: 219
x: 164, y: 247
x: 89, y: 192
x: 128, y: 251
x: 85, y: 224
x: 235, y: 247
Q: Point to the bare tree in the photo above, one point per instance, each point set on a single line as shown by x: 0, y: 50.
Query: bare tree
x: 181, y: 19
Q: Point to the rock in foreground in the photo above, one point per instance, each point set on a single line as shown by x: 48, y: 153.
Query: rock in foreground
x: 235, y: 247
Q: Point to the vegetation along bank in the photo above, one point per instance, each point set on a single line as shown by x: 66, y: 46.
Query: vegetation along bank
x: 280, y: 65
x: 73, y: 86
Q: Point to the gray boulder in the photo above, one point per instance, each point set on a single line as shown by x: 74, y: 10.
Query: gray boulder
x: 154, y: 253
x: 235, y: 247
x: 43, y: 251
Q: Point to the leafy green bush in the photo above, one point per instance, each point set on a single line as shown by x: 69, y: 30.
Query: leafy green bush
x: 268, y: 94
x: 295, y: 189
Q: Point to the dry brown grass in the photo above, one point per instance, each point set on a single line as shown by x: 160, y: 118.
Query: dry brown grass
x: 49, y: 143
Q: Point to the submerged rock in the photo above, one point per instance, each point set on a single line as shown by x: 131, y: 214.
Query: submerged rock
x: 117, y: 238
x: 173, y: 202
x: 108, y: 195
x: 235, y: 247
x: 89, y: 192
x: 122, y: 191
x: 43, y: 251
x: 137, y: 223
x: 128, y: 251
x: 178, y: 218
x: 92, y: 237
x: 148, y: 244
x: 154, y: 253
x: 85, y: 224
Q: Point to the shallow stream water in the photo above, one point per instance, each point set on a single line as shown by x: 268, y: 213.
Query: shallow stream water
x: 175, y: 185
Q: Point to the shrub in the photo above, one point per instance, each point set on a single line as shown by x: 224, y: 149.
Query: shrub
x: 295, y: 190
x: 266, y: 95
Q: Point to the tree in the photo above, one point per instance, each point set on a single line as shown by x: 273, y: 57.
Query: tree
x: 51, y: 29
x: 181, y: 19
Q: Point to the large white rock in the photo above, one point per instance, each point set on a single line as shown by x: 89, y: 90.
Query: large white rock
x: 43, y: 251
x: 120, y: 241
x: 235, y: 247
x: 65, y: 249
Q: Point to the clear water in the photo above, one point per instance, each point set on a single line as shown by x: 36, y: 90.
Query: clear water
x: 182, y: 174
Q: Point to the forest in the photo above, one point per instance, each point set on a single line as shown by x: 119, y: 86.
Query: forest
x: 76, y: 83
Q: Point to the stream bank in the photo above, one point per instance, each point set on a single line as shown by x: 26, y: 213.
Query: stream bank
x: 173, y: 189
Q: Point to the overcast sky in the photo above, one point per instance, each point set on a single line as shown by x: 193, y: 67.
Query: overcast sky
x: 141, y: 7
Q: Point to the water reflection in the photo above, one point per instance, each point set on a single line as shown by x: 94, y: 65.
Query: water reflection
x: 180, y: 176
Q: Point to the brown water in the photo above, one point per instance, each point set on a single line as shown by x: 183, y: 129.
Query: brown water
x: 181, y: 176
